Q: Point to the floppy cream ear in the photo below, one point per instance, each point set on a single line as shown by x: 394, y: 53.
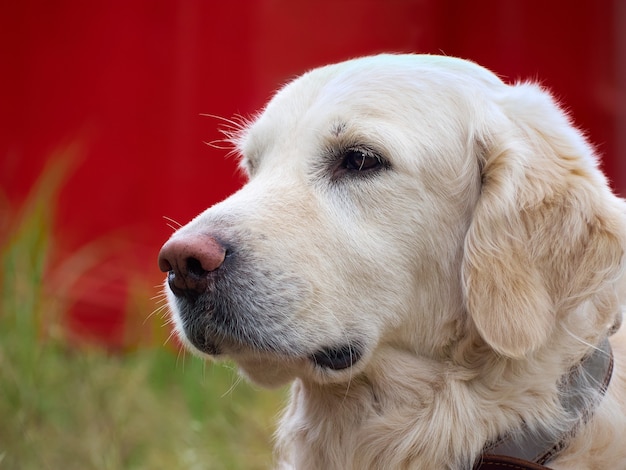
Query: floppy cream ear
x: 547, y: 236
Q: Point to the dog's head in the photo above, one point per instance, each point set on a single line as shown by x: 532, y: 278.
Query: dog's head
x: 399, y: 202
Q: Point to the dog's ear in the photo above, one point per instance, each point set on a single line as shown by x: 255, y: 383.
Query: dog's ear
x: 547, y: 236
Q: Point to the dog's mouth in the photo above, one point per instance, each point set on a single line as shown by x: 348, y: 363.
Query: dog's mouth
x: 332, y: 358
x: 212, y: 329
x: 214, y: 343
x: 337, y: 358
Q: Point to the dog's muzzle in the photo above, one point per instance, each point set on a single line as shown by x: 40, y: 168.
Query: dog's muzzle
x: 221, y: 314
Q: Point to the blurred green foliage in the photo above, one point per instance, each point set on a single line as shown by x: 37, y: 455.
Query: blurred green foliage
x: 63, y: 407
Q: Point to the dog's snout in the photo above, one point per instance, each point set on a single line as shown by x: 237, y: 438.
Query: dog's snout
x: 189, y: 260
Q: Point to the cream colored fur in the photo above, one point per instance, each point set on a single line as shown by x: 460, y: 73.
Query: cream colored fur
x: 481, y: 263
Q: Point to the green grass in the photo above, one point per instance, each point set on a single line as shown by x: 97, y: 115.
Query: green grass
x: 63, y: 407
x: 85, y: 410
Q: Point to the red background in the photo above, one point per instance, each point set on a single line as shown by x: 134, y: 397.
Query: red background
x: 129, y: 80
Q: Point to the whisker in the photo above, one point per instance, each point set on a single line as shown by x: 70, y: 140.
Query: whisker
x: 232, y: 130
x: 173, y: 221
x: 236, y: 124
x: 174, y: 225
x: 232, y: 387
x: 154, y: 312
x: 219, y: 144
x: 160, y: 297
x: 168, y: 321
x: 169, y: 337
x: 181, y: 352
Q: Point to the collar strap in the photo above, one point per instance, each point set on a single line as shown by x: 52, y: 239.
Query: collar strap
x: 540, y: 446
x: 501, y: 462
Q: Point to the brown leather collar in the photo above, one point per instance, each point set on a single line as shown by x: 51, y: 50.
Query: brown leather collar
x: 501, y: 462
x: 532, y: 449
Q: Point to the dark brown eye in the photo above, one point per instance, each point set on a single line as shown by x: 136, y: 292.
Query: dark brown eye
x: 361, y: 160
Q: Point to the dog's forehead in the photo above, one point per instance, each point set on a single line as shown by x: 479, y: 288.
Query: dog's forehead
x: 383, y: 74
x: 380, y: 87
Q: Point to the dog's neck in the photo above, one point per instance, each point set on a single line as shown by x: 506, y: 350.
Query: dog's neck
x: 541, y: 445
x: 432, y: 410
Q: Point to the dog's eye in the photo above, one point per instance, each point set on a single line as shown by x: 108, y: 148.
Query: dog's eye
x: 357, y: 161
x: 361, y: 160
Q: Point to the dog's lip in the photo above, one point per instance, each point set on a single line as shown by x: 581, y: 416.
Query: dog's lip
x: 203, y: 344
x: 206, y: 340
x: 337, y: 357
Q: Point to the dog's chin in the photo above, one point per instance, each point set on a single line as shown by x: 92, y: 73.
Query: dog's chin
x: 275, y: 371
x: 270, y: 372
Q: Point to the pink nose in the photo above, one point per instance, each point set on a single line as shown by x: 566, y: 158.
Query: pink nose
x: 188, y: 260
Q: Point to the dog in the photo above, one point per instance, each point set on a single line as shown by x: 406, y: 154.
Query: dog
x: 435, y: 261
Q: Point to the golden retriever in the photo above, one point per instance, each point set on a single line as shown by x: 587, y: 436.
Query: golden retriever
x: 432, y: 257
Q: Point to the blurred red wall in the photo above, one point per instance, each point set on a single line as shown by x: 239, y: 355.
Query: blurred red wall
x: 129, y: 80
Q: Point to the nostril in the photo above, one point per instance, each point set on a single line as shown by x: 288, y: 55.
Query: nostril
x: 164, y: 265
x: 194, y: 267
